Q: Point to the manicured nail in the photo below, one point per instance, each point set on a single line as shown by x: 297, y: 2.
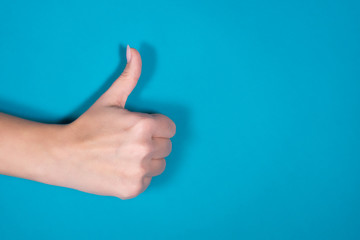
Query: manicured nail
x: 128, y: 53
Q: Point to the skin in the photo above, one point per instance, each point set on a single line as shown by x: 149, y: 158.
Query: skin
x: 108, y: 150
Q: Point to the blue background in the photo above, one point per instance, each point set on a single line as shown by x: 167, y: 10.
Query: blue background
x: 265, y: 95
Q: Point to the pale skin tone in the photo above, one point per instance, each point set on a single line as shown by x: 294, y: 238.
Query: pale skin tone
x: 108, y: 150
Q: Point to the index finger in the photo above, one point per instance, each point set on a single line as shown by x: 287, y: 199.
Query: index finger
x: 164, y: 126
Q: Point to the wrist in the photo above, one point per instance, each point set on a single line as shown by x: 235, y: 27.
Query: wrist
x: 49, y: 166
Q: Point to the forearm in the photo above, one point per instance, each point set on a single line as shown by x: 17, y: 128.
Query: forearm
x: 28, y: 149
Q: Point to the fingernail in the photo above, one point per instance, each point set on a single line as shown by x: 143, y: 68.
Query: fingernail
x: 128, y: 53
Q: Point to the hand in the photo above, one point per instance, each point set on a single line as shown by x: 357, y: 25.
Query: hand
x: 110, y: 150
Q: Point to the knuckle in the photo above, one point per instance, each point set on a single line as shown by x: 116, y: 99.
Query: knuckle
x: 131, y: 192
x: 143, y: 149
x: 139, y: 173
x: 124, y: 75
x: 132, y: 189
x: 145, y: 125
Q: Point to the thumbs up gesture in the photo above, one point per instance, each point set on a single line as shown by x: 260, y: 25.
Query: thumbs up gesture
x: 110, y: 150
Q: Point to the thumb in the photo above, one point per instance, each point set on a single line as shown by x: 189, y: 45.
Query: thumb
x: 119, y: 91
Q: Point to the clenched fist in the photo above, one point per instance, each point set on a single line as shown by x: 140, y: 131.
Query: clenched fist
x: 107, y: 151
